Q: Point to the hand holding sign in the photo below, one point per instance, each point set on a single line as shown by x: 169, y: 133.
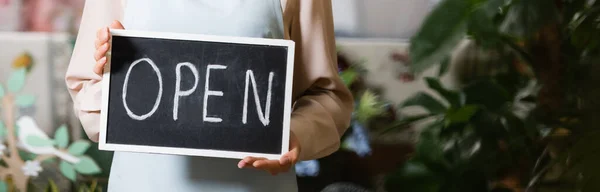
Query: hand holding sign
x: 102, y: 46
x: 189, y: 94
x: 275, y: 167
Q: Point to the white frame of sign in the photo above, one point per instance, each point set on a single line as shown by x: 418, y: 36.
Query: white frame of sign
x: 290, y: 45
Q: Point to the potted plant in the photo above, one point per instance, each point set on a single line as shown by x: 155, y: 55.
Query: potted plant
x: 482, y: 135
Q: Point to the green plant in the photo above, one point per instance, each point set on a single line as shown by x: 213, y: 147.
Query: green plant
x: 25, y: 149
x: 463, y: 133
x: 368, y: 107
x: 555, y: 43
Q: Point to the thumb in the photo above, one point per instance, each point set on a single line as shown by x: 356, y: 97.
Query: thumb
x: 116, y: 25
x: 290, y: 157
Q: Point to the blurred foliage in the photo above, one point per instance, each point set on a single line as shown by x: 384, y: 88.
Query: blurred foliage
x: 469, y: 136
x: 371, y: 112
x: 369, y: 106
x: 525, y: 115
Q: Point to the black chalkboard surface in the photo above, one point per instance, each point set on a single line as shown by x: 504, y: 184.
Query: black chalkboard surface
x: 197, y: 95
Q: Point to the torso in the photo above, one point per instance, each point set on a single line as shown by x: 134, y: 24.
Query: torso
x: 248, y: 18
x: 155, y: 172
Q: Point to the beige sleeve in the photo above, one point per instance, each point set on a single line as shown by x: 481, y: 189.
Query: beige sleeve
x: 323, y: 105
x: 83, y: 84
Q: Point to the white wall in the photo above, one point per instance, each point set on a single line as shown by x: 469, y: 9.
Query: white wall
x: 382, y: 71
x: 379, y: 18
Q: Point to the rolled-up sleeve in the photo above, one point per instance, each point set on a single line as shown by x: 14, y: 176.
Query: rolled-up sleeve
x: 83, y: 84
x: 323, y: 105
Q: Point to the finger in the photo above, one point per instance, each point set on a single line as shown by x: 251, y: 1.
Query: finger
x: 101, y: 51
x: 291, y: 156
x: 248, y: 161
x: 100, y: 42
x: 245, y: 162
x: 97, y: 43
x: 242, y: 164
x: 99, y: 68
x: 263, y: 164
x: 100, y: 37
x: 103, y: 36
x: 271, y: 166
x: 99, y: 32
x: 116, y: 25
x: 285, y: 164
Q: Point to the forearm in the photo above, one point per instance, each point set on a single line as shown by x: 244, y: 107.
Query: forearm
x: 319, y: 121
x: 83, y: 84
x: 323, y: 105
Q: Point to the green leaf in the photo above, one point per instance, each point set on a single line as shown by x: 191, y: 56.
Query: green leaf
x: 25, y: 100
x: 440, y: 33
x: 486, y: 93
x: 87, y: 166
x: 481, y: 23
x: 348, y: 76
x: 61, y: 137
x: 51, y: 186
x: 525, y: 17
x: 429, y: 149
x: 79, y: 147
x: 50, y: 160
x: 454, y: 98
x: 68, y: 170
x: 586, y: 29
x: 103, y: 158
x: 426, y: 101
x: 404, y: 123
x: 27, y: 156
x: 37, y: 141
x: 461, y: 115
x: 3, y: 186
x: 432, y: 130
x: 1, y: 91
x: 492, y: 7
x: 444, y: 66
x: 16, y: 80
x: 369, y: 106
x: 572, y: 7
x: 414, y: 176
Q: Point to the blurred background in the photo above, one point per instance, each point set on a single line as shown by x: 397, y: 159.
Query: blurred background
x: 452, y: 95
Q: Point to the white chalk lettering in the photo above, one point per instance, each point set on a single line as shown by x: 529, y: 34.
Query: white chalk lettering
x: 208, y: 92
x: 159, y: 95
x: 179, y: 93
x: 264, y: 118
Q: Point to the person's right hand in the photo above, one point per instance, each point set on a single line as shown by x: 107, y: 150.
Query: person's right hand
x: 102, y: 46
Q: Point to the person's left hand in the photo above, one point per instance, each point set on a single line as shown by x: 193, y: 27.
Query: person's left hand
x: 275, y: 167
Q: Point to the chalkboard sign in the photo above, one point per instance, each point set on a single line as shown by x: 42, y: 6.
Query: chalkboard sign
x: 197, y: 95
